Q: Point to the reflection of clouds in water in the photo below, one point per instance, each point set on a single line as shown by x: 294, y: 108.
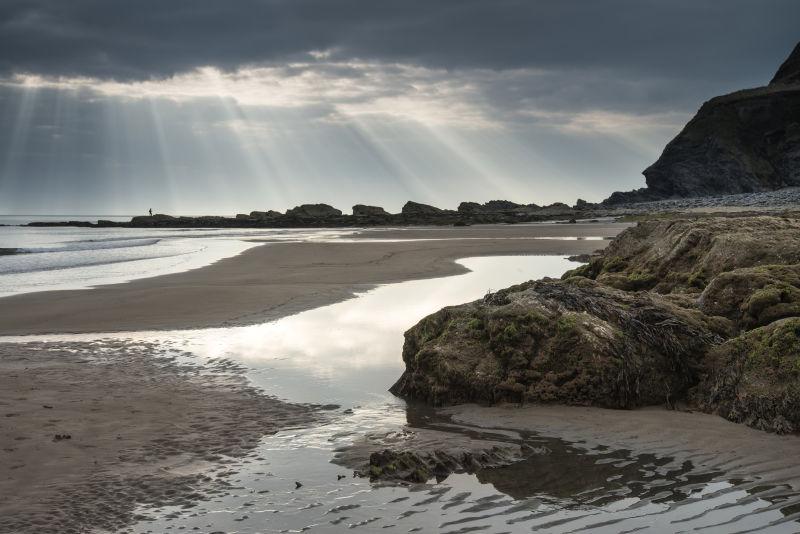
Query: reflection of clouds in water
x: 367, y: 332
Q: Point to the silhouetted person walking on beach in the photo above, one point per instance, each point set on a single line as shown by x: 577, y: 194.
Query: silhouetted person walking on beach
x: 151, y: 212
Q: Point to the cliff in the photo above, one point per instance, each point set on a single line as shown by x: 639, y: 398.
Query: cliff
x: 747, y: 141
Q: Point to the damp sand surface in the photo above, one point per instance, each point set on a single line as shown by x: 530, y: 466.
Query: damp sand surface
x: 276, y: 279
x: 90, y: 429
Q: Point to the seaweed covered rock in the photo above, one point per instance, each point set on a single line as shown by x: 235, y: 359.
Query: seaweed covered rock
x: 684, y: 255
x: 571, y: 342
x: 755, y: 378
x: 754, y: 296
x: 419, y: 454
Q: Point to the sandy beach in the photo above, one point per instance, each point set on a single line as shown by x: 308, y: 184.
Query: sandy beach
x: 279, y: 279
x: 88, y: 430
x: 145, y: 428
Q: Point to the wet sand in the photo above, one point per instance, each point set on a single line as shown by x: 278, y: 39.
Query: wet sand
x: 710, y: 442
x: 142, y: 428
x: 279, y: 279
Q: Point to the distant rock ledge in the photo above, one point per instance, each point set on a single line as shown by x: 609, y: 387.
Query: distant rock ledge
x: 468, y: 213
x: 324, y: 215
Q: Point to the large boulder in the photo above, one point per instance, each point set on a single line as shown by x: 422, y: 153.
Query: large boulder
x: 570, y: 342
x: 704, y: 310
x: 313, y: 211
x: 361, y: 210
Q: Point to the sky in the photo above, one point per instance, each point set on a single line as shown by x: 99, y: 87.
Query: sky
x: 218, y: 107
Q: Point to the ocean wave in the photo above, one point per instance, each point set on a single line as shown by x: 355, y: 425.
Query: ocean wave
x: 87, y: 245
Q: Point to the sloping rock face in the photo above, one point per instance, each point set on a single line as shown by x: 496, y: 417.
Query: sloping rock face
x: 789, y: 72
x: 738, y: 143
x: 703, y: 310
x: 313, y: 211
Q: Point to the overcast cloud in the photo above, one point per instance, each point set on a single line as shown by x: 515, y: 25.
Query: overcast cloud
x: 126, y: 104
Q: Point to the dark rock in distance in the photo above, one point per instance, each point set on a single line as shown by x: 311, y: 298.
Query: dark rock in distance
x: 415, y: 208
x: 361, y: 210
x: 265, y: 215
x: 313, y: 211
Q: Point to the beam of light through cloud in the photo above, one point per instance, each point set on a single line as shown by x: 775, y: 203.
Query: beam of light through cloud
x: 271, y: 119
x: 196, y: 106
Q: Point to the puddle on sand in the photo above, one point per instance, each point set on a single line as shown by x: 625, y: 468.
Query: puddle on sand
x: 349, y: 354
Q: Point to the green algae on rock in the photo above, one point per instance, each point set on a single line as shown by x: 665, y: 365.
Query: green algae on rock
x: 685, y: 254
x: 697, y: 309
x: 572, y: 342
x: 755, y: 378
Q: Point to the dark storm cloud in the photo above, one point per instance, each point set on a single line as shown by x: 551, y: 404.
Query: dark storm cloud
x: 726, y: 40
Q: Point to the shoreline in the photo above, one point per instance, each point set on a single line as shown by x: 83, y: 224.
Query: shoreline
x: 278, y: 279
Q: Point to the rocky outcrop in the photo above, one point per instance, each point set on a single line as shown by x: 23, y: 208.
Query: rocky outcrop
x: 571, y: 342
x: 361, y: 210
x: 742, y: 142
x: 415, y: 208
x: 313, y: 211
x: 702, y: 310
x: 683, y: 255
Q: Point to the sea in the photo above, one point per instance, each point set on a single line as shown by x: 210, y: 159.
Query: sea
x: 57, y: 258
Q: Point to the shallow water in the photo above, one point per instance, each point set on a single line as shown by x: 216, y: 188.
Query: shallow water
x: 42, y: 259
x: 349, y: 354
